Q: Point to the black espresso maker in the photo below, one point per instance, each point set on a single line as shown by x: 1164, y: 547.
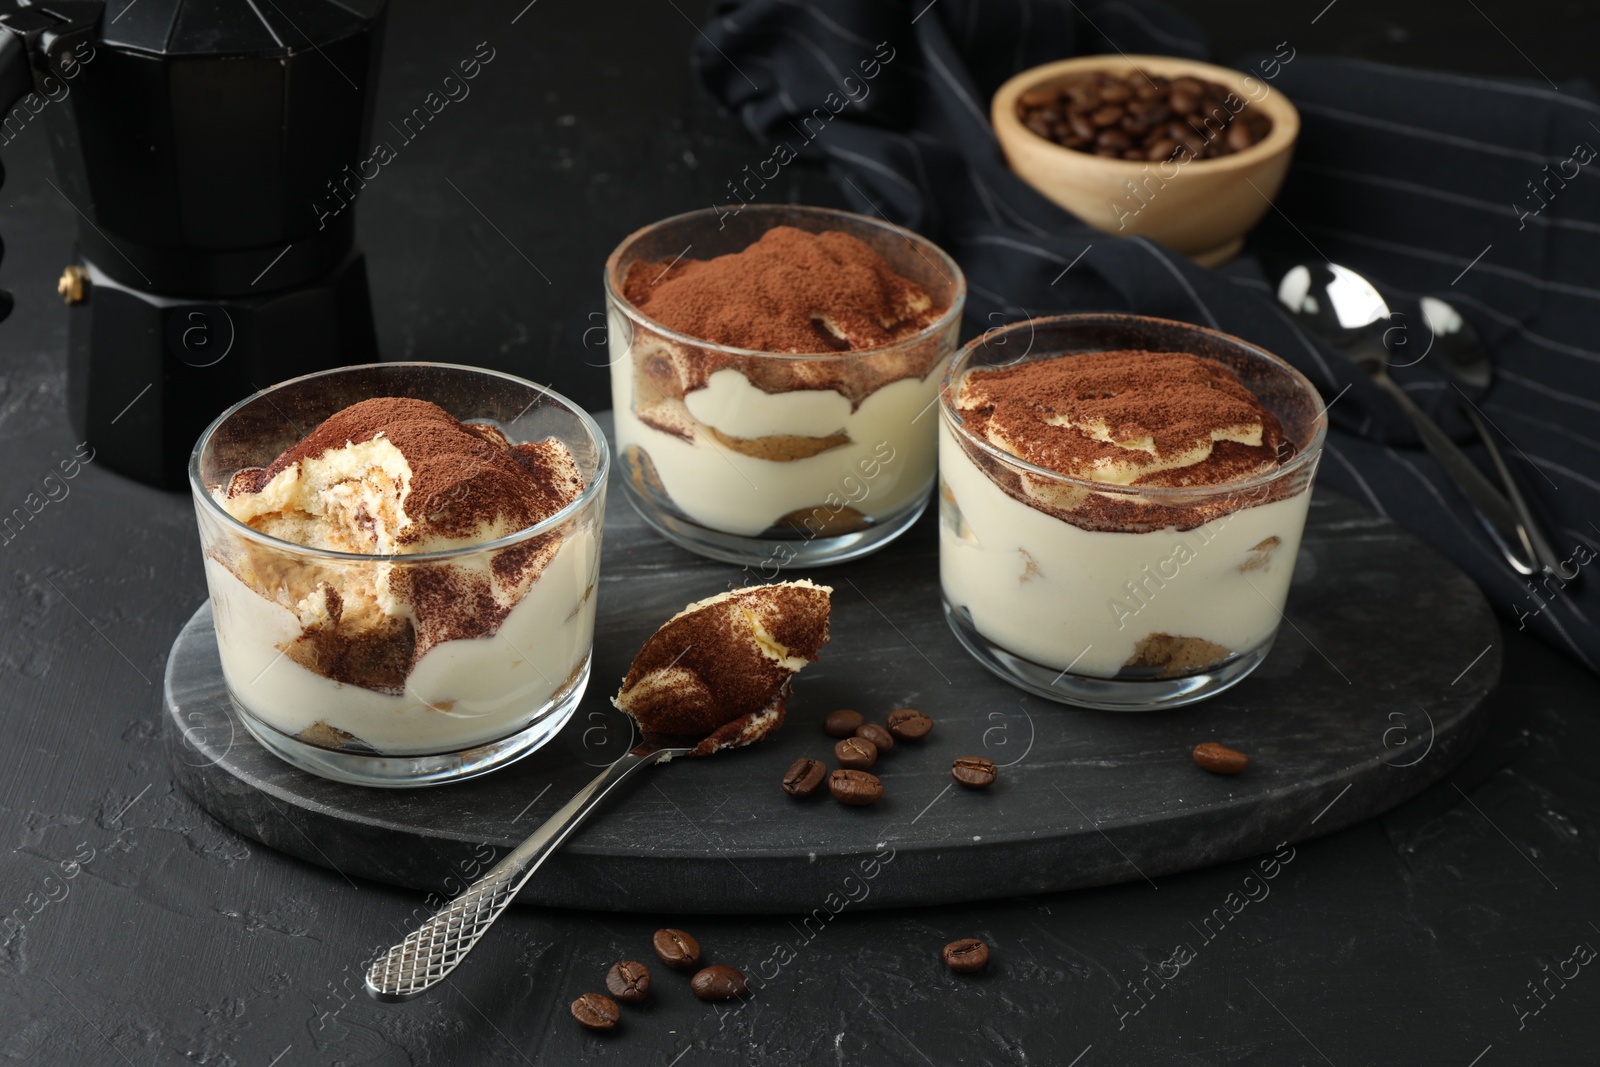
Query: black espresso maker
x: 201, y: 143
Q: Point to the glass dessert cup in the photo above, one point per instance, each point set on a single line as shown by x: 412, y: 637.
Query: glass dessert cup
x: 1120, y: 597
x: 763, y: 465
x: 471, y: 701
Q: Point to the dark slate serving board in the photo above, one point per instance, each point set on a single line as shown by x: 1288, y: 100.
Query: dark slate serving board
x: 1369, y: 695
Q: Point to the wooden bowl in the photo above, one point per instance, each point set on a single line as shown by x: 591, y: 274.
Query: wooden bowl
x: 1202, y: 208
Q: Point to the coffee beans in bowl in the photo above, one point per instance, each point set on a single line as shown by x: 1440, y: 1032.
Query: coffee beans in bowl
x: 1186, y: 153
x: 677, y: 949
x: 1142, y: 118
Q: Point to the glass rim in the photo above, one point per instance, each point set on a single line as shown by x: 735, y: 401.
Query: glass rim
x: 1156, y: 494
x: 918, y: 242
x: 596, y: 485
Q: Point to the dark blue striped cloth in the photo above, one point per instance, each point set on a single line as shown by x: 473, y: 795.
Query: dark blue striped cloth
x: 1423, y: 181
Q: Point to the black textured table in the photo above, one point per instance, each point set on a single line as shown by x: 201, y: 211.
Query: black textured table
x: 1409, y: 939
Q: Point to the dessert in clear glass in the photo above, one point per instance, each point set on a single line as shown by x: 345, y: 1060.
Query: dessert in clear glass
x: 402, y: 560
x: 1122, y: 500
x: 774, y: 374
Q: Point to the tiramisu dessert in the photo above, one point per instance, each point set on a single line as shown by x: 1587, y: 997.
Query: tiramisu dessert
x: 1117, y: 582
x: 779, y: 390
x: 717, y: 674
x: 396, y: 656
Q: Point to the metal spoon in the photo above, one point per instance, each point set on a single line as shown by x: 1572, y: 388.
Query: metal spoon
x: 1464, y: 358
x: 1346, y: 309
x: 428, y: 955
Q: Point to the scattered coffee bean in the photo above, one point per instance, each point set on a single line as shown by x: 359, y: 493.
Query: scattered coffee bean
x: 718, y: 982
x: 842, y: 723
x: 909, y: 724
x: 628, y: 981
x: 975, y: 772
x: 596, y: 1012
x: 804, y: 776
x: 966, y: 956
x: 856, y: 753
x: 877, y: 735
x: 1220, y: 759
x: 677, y: 949
x: 856, y: 788
x: 1138, y: 118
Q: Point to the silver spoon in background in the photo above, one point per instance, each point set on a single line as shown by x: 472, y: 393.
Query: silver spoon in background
x: 428, y: 955
x: 1347, y: 310
x: 1465, y: 360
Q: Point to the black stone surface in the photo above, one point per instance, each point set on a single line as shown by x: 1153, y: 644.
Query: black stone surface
x: 1357, y: 707
x: 1408, y: 939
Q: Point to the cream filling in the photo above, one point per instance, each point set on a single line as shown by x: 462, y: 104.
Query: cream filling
x: 461, y: 693
x: 1062, y: 596
x: 887, y: 462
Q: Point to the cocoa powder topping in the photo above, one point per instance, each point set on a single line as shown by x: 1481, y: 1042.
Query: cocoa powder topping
x: 464, y: 476
x: 1129, y: 417
x: 792, y: 291
x: 704, y: 671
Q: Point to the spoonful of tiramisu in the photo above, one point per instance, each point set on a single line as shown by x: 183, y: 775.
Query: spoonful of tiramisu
x: 714, y: 676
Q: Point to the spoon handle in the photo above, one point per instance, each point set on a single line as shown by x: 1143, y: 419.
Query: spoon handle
x: 1490, y: 502
x: 428, y: 955
x: 1529, y: 532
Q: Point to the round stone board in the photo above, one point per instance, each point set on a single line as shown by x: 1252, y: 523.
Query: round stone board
x: 1371, y: 693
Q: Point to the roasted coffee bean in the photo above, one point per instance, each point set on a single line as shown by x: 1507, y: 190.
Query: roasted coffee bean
x: 1160, y: 150
x: 718, y: 982
x: 677, y: 949
x: 975, y: 772
x: 880, y: 737
x: 856, y: 753
x: 856, y: 788
x: 596, y: 1012
x: 909, y: 724
x: 1084, y: 97
x: 1220, y: 759
x: 1109, y: 115
x: 628, y: 981
x: 1115, y: 139
x: 842, y: 723
x: 804, y: 776
x: 1039, y: 96
x: 1077, y: 113
x: 966, y: 956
